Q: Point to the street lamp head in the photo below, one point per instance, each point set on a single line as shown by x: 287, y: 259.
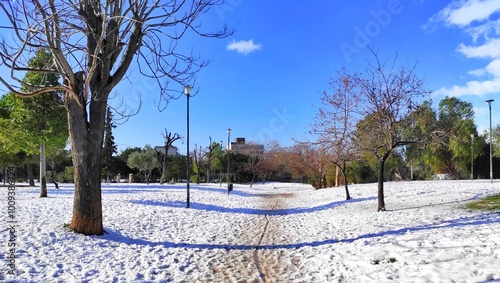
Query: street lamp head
x: 491, y: 147
x: 229, y: 130
x: 187, y: 90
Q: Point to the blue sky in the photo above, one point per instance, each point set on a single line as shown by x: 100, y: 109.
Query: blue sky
x: 264, y: 81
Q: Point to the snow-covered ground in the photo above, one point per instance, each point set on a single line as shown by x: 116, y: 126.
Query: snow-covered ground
x: 269, y: 233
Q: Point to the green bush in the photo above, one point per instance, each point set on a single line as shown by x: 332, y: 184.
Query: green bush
x: 67, y: 176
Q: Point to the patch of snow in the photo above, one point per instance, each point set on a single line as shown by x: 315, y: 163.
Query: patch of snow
x: 276, y: 232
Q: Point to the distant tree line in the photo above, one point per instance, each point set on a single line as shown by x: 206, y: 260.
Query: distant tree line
x: 444, y: 146
x: 372, y: 126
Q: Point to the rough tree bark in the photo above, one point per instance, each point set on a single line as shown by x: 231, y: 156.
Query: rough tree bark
x: 86, y: 145
x: 344, y: 176
x: 31, y: 179
x: 43, y: 175
x: 380, y: 183
x: 346, y: 186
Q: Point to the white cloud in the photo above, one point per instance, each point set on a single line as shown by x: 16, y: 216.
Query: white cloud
x: 490, y: 49
x: 477, y: 72
x: 478, y: 88
x: 463, y: 13
x: 474, y: 17
x: 243, y: 46
x: 488, y: 30
x: 493, y: 68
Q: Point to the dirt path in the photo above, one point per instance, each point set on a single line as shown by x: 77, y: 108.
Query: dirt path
x: 260, y: 263
x: 256, y: 251
x: 272, y: 264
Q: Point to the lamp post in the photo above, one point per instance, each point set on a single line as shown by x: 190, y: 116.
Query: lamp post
x: 228, y: 148
x: 491, y: 143
x: 220, y: 170
x: 187, y: 92
x: 472, y: 157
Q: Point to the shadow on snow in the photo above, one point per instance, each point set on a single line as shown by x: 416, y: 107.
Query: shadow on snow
x: 253, y: 211
x: 132, y: 189
x: 115, y: 236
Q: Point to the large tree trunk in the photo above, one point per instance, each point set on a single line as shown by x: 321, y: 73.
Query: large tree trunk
x: 347, y: 195
x: 31, y: 179
x: 86, y: 144
x: 337, y: 183
x: 380, y: 195
x: 163, y: 178
x: 209, y: 175
x: 344, y: 174
x: 43, y: 171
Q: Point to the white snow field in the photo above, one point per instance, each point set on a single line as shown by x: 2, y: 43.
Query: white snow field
x: 275, y: 232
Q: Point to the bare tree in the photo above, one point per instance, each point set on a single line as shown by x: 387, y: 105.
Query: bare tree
x: 335, y: 123
x: 389, y: 94
x: 276, y: 158
x: 263, y: 167
x: 209, y: 156
x: 308, y: 160
x: 94, y: 43
x: 197, y: 154
x: 170, y: 138
x: 252, y: 165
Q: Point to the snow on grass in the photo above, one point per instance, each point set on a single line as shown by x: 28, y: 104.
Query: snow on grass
x: 275, y: 232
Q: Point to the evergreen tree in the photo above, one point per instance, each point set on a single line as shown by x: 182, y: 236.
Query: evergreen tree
x: 450, y: 151
x: 496, y: 140
x: 109, y: 146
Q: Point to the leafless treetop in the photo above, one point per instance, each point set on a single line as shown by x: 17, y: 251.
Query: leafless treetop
x: 98, y: 40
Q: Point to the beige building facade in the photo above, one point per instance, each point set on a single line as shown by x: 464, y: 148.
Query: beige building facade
x: 240, y: 146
